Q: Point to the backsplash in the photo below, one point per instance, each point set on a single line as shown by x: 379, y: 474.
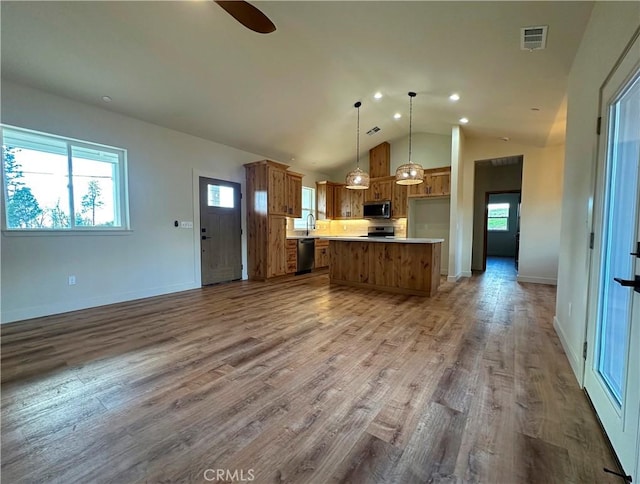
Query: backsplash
x: 349, y: 227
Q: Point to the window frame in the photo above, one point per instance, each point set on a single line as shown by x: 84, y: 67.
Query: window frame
x: 120, y: 190
x: 301, y: 223
x: 489, y: 217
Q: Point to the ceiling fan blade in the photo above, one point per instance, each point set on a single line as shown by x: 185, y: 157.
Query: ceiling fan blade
x: 248, y: 15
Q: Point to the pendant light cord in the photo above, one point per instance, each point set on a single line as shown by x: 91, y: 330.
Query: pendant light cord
x: 357, y: 105
x: 411, y: 96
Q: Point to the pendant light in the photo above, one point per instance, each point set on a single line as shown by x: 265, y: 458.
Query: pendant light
x: 357, y: 179
x: 410, y: 173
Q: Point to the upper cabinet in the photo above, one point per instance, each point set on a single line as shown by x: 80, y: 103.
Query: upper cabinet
x: 379, y: 189
x: 437, y: 183
x: 380, y: 160
x: 294, y: 194
x: 348, y: 203
x: 277, y: 190
x: 325, y: 199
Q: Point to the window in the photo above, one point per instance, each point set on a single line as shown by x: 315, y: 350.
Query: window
x: 308, y: 207
x: 498, y: 218
x: 55, y: 183
x: 220, y: 196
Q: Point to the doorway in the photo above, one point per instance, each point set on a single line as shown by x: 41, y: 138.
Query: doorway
x: 612, y: 351
x: 220, y: 231
x: 493, y: 176
x: 502, y: 226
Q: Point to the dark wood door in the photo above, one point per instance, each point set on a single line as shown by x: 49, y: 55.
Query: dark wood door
x: 220, y: 231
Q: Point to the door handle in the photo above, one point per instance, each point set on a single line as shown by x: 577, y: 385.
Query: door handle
x: 204, y: 237
x: 635, y: 283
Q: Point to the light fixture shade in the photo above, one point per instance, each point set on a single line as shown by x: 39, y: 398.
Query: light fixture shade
x: 357, y: 179
x: 409, y: 174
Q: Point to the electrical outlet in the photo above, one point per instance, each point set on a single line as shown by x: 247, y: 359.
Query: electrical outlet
x: 186, y: 225
x: 72, y: 280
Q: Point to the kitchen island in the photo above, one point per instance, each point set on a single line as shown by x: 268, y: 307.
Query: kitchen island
x: 394, y: 264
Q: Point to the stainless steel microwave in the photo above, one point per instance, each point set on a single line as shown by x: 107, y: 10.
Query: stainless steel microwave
x: 381, y: 209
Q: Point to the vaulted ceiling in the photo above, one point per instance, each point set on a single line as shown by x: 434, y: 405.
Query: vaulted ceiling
x: 190, y: 66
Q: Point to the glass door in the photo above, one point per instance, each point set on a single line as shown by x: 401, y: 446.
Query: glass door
x: 612, y: 371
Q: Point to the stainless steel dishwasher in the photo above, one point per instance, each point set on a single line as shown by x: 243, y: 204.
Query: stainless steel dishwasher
x: 306, y: 254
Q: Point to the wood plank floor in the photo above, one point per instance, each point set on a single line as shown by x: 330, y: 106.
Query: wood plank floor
x: 299, y: 382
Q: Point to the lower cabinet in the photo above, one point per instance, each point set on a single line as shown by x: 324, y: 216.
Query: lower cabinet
x: 321, y: 254
x: 292, y: 255
x: 276, y: 240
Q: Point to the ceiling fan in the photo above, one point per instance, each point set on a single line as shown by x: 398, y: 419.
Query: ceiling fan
x: 248, y: 15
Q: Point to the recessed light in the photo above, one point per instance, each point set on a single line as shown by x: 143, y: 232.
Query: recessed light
x: 454, y: 97
x: 377, y: 95
x: 106, y: 99
x: 463, y: 120
x: 505, y: 138
x: 397, y: 116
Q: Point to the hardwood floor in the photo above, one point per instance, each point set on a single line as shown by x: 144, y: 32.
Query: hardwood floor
x: 297, y: 381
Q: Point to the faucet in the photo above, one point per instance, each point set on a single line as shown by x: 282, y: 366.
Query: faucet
x: 313, y: 222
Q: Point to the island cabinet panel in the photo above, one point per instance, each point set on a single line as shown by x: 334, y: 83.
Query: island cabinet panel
x: 379, y: 160
x: 407, y: 268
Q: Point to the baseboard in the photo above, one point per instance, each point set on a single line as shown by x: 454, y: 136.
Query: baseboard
x: 575, y: 361
x: 467, y: 273
x: 538, y: 280
x: 16, y: 315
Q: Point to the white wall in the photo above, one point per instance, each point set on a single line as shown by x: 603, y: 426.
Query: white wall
x: 155, y: 257
x: 541, y: 202
x: 610, y: 28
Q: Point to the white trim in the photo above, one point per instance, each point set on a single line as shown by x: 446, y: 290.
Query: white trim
x: 538, y: 280
x: 92, y: 302
x: 197, y: 270
x: 467, y: 273
x: 576, y: 362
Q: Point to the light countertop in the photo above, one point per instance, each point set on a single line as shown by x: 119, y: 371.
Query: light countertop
x: 402, y: 240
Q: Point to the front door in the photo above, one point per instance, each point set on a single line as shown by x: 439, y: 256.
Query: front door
x: 220, y: 232
x: 612, y: 370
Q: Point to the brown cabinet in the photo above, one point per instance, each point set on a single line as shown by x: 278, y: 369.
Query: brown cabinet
x: 325, y: 199
x: 348, y: 203
x: 321, y: 254
x: 270, y: 199
x: 277, y: 190
x: 437, y: 183
x: 276, y: 254
x: 399, y: 200
x: 380, y: 189
x: 379, y: 160
x: 294, y: 194
x: 292, y: 255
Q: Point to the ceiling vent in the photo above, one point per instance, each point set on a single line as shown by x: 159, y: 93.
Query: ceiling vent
x: 373, y: 131
x: 533, y: 38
